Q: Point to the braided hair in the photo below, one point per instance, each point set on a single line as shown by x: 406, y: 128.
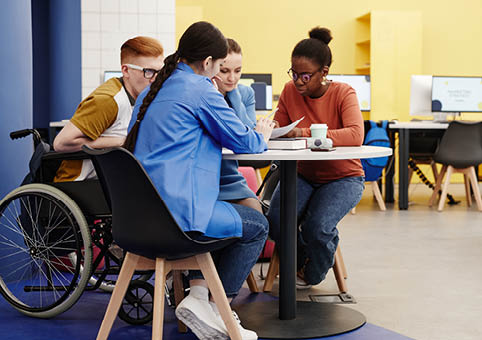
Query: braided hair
x: 199, y: 41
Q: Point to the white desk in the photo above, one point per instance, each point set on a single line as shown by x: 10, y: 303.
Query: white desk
x: 277, y: 320
x: 404, y: 129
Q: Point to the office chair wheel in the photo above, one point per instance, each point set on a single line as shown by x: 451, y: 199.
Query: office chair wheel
x: 138, y: 305
x: 40, y: 228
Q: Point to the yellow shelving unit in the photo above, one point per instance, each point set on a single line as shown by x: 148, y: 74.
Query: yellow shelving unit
x: 389, y: 49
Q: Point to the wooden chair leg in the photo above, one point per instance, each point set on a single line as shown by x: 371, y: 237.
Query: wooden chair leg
x: 475, y: 188
x: 339, y: 275
x: 410, y: 174
x: 178, y: 296
x: 125, y: 275
x: 217, y: 291
x: 468, y: 196
x: 253, y: 286
x: 341, y: 262
x: 159, y: 299
x: 437, y: 185
x: 273, y: 270
x: 445, y: 188
x: 434, y: 170
x: 378, y: 196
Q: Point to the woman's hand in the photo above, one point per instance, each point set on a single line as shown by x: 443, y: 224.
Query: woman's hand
x: 296, y: 132
x: 215, y: 80
x: 265, y: 127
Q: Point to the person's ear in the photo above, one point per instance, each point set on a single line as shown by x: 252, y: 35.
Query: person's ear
x: 207, y: 62
x: 324, y: 71
x: 124, y: 69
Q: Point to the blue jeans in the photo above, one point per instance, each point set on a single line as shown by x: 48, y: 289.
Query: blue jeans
x: 235, y: 261
x: 320, y: 208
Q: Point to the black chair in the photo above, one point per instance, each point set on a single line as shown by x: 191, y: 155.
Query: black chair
x: 143, y: 226
x: 460, y: 150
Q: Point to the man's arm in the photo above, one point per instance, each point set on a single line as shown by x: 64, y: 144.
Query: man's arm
x: 71, y: 139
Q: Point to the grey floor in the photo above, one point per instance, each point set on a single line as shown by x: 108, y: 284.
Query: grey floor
x: 416, y: 272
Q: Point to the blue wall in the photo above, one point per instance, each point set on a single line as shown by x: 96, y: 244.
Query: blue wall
x: 15, y: 91
x: 56, y: 31
x: 65, y: 58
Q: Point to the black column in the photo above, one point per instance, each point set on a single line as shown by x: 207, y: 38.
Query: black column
x: 403, y: 143
x: 287, y: 249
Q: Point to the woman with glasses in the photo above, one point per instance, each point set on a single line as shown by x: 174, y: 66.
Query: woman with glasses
x: 327, y: 190
x: 241, y: 99
x: 177, y: 130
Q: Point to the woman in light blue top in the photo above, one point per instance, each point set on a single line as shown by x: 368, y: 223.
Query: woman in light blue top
x: 234, y: 188
x: 178, y: 128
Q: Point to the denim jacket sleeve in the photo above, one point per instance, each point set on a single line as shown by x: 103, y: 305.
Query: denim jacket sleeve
x: 225, y: 127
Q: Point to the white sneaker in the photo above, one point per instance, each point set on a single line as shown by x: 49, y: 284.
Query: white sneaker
x: 198, y: 315
x: 246, y: 334
x: 301, y: 284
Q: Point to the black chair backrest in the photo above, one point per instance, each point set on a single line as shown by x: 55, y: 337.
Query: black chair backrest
x: 141, y: 222
x: 461, y: 145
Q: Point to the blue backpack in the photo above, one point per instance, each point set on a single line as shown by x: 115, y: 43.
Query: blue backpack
x: 376, y: 136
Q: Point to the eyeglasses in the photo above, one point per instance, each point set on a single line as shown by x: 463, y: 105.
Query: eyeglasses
x: 305, y: 76
x: 149, y: 73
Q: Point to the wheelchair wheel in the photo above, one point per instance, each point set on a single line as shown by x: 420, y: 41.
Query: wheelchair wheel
x: 138, y: 304
x: 40, y: 227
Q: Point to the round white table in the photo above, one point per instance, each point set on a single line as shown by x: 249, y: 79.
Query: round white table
x: 289, y: 319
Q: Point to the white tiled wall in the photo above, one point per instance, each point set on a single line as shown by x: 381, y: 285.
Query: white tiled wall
x: 107, y: 24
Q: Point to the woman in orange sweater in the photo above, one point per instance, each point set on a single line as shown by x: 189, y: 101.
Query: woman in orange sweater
x: 327, y: 190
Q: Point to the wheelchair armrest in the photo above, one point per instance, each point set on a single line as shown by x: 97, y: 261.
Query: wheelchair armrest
x: 62, y: 156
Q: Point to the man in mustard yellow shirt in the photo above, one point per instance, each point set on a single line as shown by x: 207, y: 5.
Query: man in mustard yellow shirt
x: 102, y: 118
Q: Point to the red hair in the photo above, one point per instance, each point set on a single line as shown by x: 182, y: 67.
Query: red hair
x: 140, y: 46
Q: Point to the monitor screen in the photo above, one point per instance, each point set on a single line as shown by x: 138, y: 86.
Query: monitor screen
x: 111, y: 74
x: 421, y: 95
x: 361, y: 85
x: 263, y: 91
x: 456, y: 94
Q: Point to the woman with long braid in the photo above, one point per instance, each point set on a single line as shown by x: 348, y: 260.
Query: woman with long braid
x: 177, y: 134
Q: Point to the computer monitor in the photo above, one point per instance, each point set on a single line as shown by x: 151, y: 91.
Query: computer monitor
x: 456, y: 94
x: 262, y: 86
x: 361, y: 85
x: 112, y: 74
x: 421, y: 95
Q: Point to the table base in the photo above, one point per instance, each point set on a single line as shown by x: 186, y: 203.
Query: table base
x: 313, y: 320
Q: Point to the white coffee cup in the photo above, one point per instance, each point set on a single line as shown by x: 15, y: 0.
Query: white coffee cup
x: 318, y: 130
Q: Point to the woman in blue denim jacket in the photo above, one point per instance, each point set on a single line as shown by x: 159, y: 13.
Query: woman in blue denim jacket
x: 178, y: 128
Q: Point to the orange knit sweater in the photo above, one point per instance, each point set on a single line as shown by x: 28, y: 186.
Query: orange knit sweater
x: 338, y: 108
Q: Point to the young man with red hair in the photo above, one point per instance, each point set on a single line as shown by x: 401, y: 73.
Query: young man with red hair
x: 101, y: 119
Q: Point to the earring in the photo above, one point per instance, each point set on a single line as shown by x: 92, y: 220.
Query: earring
x: 323, y: 82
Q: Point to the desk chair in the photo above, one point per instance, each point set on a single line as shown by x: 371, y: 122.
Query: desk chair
x: 378, y: 196
x: 257, y: 166
x: 143, y: 226
x: 460, y: 150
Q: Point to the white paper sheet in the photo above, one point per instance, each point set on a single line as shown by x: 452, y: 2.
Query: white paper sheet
x: 285, y: 129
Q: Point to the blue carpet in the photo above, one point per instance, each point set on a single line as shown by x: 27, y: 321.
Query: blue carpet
x: 83, y: 320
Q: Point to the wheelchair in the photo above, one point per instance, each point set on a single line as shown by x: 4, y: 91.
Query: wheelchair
x: 56, y: 242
